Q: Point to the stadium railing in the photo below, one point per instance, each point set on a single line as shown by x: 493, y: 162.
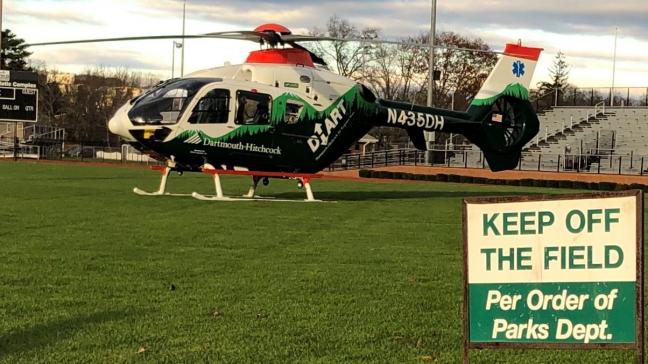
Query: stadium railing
x: 580, y: 97
x: 601, y: 163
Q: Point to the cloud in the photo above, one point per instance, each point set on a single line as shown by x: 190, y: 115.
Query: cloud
x: 62, y: 13
x: 583, y: 29
x: 403, y: 18
x: 104, y: 58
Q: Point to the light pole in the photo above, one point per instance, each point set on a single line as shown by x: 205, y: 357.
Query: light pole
x: 616, y: 37
x: 182, y: 56
x: 175, y: 45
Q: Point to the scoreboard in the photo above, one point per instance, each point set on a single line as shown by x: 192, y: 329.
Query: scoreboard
x: 18, y: 96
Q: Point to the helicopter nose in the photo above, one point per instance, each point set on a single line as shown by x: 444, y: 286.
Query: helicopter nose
x: 120, y: 123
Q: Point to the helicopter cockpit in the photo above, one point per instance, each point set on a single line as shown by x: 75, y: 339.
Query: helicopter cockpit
x: 167, y: 102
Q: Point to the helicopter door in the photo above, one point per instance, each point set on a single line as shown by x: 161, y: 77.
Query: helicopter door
x: 252, y: 108
x: 211, y: 113
x: 253, y: 116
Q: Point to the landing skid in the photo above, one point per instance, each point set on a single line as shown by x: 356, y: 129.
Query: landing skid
x: 304, y: 182
x: 139, y: 192
x: 200, y: 197
x: 165, y: 171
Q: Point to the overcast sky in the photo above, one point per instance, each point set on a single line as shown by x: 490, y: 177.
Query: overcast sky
x: 583, y: 30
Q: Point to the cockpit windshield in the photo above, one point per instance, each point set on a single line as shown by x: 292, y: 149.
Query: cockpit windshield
x: 164, y: 104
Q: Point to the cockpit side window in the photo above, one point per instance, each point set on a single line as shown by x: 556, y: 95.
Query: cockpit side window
x: 252, y: 108
x: 293, y: 111
x: 213, y: 108
x: 164, y: 104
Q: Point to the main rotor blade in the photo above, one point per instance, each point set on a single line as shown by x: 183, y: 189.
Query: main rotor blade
x: 270, y: 38
x: 254, y: 36
x: 316, y: 59
x: 313, y: 38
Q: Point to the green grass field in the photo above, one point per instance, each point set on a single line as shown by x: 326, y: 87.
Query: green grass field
x: 91, y: 272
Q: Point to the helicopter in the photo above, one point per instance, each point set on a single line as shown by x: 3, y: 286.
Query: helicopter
x: 282, y: 114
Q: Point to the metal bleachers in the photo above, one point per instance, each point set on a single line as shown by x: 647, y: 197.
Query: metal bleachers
x: 586, y: 139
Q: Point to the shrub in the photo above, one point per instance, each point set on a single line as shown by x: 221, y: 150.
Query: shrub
x: 454, y: 178
x: 442, y: 177
x: 581, y: 185
x: 636, y: 186
x: 466, y: 179
x: 622, y: 187
x: 364, y: 173
x: 539, y: 183
x: 386, y: 174
x: 565, y: 184
x: 527, y: 182
x: 551, y: 184
x: 479, y: 180
x: 431, y: 177
x: 607, y: 186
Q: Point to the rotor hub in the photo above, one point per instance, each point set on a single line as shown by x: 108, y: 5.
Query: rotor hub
x: 273, y: 28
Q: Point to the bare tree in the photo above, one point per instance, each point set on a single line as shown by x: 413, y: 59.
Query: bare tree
x: 85, y: 103
x: 51, y: 98
x: 401, y: 73
x: 396, y: 71
x: 462, y: 72
x: 347, y: 58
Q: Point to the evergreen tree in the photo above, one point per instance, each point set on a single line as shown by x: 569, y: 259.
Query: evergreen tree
x: 13, y: 55
x: 559, y: 76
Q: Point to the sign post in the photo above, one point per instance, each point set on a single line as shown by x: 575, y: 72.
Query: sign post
x: 554, y: 272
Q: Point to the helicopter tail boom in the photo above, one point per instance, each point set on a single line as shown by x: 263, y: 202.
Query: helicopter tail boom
x: 500, y: 120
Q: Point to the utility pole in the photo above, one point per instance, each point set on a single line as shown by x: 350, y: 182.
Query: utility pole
x: 430, y: 96
x: 430, y: 136
x: 15, y: 131
x: 1, y: 60
x: 616, y: 37
x: 184, y: 20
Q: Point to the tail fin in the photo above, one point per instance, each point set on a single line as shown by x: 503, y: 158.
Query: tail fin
x: 502, y: 107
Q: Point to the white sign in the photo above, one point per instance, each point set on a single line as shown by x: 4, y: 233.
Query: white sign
x: 554, y: 270
x: 587, y: 240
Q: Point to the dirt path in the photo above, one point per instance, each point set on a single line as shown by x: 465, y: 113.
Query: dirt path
x: 563, y: 176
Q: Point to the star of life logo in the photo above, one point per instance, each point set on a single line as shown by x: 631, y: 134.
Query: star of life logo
x: 518, y: 69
